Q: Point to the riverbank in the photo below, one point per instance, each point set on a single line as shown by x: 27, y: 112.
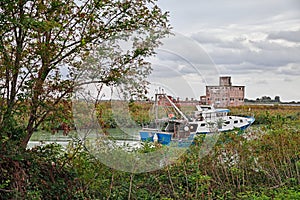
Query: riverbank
x: 262, y: 163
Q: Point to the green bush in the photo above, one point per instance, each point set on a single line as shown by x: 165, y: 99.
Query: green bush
x: 261, y: 163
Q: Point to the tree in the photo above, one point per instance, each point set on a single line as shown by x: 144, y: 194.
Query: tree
x: 45, y: 44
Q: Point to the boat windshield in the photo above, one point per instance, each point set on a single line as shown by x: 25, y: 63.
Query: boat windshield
x: 222, y: 112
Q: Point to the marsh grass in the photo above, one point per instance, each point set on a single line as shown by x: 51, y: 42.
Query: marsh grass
x: 261, y: 163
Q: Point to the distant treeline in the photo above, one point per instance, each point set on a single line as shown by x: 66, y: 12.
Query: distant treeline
x: 267, y: 99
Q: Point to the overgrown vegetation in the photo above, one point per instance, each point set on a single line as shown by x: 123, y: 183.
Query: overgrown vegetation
x: 262, y: 163
x: 44, y: 48
x: 51, y: 49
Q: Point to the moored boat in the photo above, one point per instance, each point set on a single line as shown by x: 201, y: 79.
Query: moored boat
x: 206, y: 119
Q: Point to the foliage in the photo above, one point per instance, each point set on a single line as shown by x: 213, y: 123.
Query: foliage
x: 111, y: 115
x: 37, y: 174
x: 48, y: 49
x: 261, y: 163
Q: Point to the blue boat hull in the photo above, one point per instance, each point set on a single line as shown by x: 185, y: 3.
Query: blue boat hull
x: 147, y: 136
x: 164, y: 138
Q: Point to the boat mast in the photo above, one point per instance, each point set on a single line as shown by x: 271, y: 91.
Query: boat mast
x: 176, y: 108
x: 156, y: 106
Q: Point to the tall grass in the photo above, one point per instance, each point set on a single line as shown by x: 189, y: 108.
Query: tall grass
x: 261, y: 163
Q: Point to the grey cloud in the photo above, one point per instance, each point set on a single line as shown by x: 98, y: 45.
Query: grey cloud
x: 267, y: 54
x: 234, y: 44
x: 189, y: 14
x: 292, y: 36
x: 160, y: 70
x: 242, y: 39
x: 268, y: 45
x: 181, y: 56
x: 287, y: 80
x: 262, y: 82
x: 269, y: 57
x: 277, y: 57
x: 243, y: 68
x: 184, y: 49
x: 209, y: 38
x: 205, y: 37
x: 291, y: 69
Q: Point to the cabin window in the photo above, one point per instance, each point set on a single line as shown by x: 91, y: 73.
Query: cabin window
x: 227, y: 122
x: 241, y: 120
x: 202, y: 125
x: 235, y: 121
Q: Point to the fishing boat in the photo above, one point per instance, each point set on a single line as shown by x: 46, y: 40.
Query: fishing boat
x: 207, y: 119
x: 182, y: 129
x: 176, y: 130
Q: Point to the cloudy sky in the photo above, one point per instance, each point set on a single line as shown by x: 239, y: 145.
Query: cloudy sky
x: 255, y: 42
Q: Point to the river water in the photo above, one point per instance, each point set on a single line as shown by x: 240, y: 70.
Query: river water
x: 43, y: 138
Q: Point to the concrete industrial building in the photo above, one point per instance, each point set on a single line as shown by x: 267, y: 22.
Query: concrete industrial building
x: 225, y: 94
